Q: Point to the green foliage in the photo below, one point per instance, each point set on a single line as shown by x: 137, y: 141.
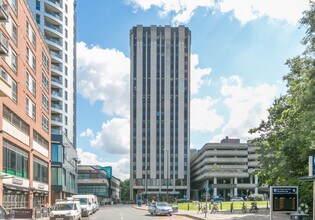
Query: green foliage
x: 256, y: 197
x: 125, y: 190
x: 287, y: 138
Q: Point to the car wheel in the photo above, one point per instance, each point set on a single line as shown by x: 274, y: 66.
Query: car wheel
x: 170, y: 214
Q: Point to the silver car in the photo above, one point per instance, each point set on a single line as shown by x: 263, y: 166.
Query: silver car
x: 160, y: 208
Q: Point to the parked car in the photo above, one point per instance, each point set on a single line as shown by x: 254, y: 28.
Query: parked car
x: 66, y: 209
x: 4, y: 214
x: 237, y: 199
x: 218, y: 199
x: 181, y: 200
x: 160, y: 208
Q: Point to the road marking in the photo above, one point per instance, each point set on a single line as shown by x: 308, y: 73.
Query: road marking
x: 121, y: 216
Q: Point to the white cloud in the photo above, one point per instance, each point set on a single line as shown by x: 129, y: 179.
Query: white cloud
x: 120, y: 168
x: 114, y: 136
x: 243, y: 10
x: 204, y: 117
x: 103, y: 74
x: 248, y: 10
x: 198, y: 75
x: 247, y: 105
x: 87, y: 133
x: 183, y: 9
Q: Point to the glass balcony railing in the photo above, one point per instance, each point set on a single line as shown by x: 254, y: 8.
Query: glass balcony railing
x: 54, y: 40
x: 56, y: 131
x: 54, y: 14
x: 54, y: 67
x: 56, y: 80
x: 56, y: 93
x: 56, y: 3
x: 57, y: 106
x: 56, y: 54
x: 57, y: 119
x: 54, y: 27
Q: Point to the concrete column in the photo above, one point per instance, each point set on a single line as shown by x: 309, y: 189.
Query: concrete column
x: 215, y: 190
x: 235, y: 189
x: 256, y: 182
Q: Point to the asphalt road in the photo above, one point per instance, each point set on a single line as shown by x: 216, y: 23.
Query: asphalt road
x: 125, y: 212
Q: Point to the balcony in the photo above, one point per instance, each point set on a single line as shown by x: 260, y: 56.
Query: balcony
x: 54, y: 29
x: 53, y: 15
x: 5, y: 87
x: 4, y: 14
x: 4, y: 44
x: 58, y: 81
x: 55, y: 4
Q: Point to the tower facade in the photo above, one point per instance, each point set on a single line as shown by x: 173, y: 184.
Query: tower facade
x: 57, y: 22
x: 159, y: 112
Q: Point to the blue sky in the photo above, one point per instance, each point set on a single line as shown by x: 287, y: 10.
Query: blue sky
x: 239, y: 49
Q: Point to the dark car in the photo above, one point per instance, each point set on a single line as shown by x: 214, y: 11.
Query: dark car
x: 181, y: 200
x: 218, y: 199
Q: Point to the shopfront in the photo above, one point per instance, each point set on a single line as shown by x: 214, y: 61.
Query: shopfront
x: 15, y: 197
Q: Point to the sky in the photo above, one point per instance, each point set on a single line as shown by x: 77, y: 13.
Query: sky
x: 239, y: 49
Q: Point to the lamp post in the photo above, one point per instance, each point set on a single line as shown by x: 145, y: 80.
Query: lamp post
x: 166, y: 151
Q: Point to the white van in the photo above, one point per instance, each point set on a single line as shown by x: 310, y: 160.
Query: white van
x: 86, y: 203
x: 95, y: 203
x: 68, y: 208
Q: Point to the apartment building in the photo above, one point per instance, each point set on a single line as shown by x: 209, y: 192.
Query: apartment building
x: 24, y: 109
x: 225, y: 169
x: 94, y: 180
x: 57, y: 22
x: 159, y: 112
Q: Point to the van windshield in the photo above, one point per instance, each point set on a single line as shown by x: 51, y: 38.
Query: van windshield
x: 83, y: 201
x: 62, y: 206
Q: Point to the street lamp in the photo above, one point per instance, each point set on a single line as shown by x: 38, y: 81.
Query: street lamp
x: 166, y: 151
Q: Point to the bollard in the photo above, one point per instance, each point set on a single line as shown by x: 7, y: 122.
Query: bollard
x: 267, y: 205
x: 188, y: 206
x: 231, y: 207
x: 221, y: 205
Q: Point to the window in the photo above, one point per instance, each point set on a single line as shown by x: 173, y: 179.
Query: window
x: 37, y: 5
x: 66, y: 95
x: 66, y: 45
x: 15, y: 120
x: 14, y: 61
x: 37, y: 18
x: 14, y: 32
x: 66, y: 33
x: 45, y: 60
x: 14, y: 6
x: 27, y: 27
x: 57, y: 152
x: 66, y: 107
x: 45, y: 102
x: 66, y: 21
x: 66, y: 120
x: 33, y: 39
x: 14, y: 91
x: 39, y: 139
x: 66, y: 83
x: 45, y: 82
x: 66, y: 58
x: 40, y: 170
x: 66, y: 8
x: 30, y: 108
x: 45, y: 123
x: 30, y: 83
x: 66, y: 70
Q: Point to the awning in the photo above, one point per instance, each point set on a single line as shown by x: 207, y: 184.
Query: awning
x: 6, y: 176
x: 15, y: 188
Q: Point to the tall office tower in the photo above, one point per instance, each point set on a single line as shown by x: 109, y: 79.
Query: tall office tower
x: 160, y: 112
x: 24, y: 110
x: 56, y: 19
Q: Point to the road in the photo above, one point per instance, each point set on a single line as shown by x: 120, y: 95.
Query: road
x: 125, y: 212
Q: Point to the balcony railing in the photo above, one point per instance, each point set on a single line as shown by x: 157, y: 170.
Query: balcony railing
x: 56, y: 93
x: 54, y: 67
x: 56, y: 54
x: 54, y: 40
x: 56, y: 80
x: 56, y: 28
x: 53, y: 105
x: 58, y: 119
x: 54, y: 14
x: 56, y: 3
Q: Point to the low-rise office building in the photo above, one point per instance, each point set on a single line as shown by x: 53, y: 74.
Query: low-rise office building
x: 24, y: 109
x: 93, y: 179
x: 225, y: 169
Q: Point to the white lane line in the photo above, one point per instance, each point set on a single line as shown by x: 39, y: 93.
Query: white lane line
x: 121, y: 216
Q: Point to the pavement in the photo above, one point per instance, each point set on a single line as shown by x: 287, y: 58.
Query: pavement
x: 262, y: 214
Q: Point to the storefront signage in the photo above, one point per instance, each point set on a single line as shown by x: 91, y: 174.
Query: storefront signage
x: 41, y: 186
x: 23, y: 213
x: 17, y: 181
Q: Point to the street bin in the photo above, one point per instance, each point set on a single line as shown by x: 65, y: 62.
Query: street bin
x: 38, y: 213
x: 299, y: 216
x: 175, y: 209
x: 45, y: 212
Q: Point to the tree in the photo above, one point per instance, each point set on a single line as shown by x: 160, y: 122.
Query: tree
x: 125, y: 190
x: 287, y: 138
